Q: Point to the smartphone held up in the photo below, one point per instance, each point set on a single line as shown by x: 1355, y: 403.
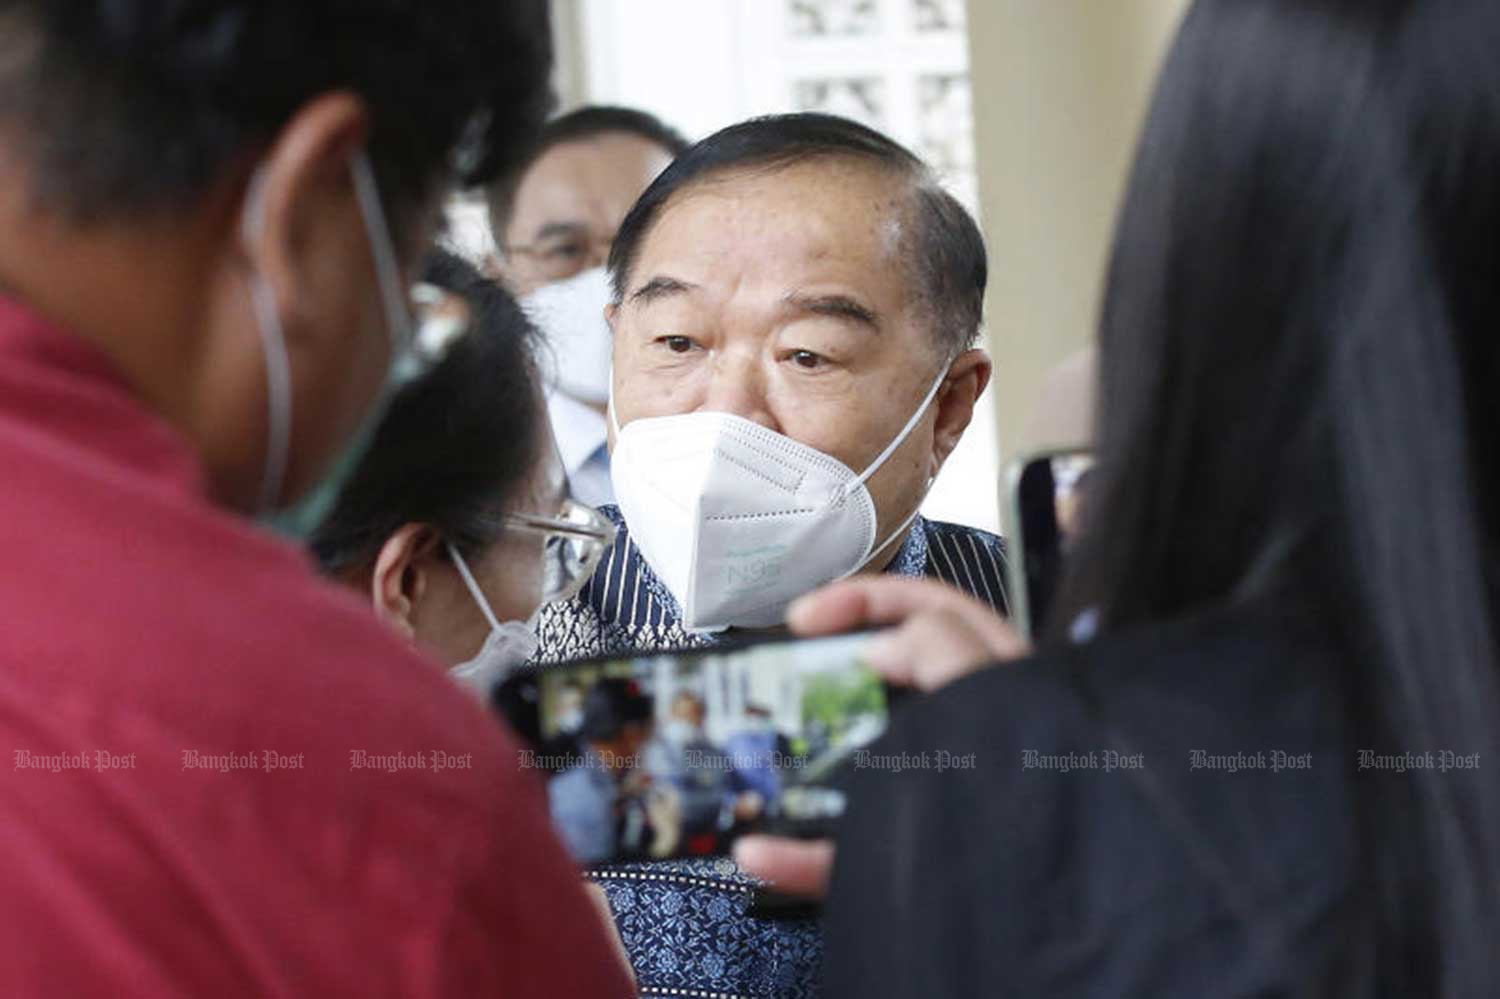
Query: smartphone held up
x: 678, y: 754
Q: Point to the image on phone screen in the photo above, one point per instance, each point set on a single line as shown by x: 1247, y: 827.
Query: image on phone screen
x: 678, y: 754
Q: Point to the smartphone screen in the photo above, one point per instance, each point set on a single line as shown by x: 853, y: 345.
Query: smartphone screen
x: 678, y: 754
x: 1047, y: 494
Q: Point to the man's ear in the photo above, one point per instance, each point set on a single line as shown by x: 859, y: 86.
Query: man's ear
x: 966, y: 381
x: 400, y: 579
x: 303, y: 185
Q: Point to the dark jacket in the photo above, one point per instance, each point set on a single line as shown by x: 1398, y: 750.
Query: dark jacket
x: 1147, y: 868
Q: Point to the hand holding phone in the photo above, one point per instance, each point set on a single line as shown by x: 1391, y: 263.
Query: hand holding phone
x: 936, y: 635
x: 940, y: 635
x: 934, y: 632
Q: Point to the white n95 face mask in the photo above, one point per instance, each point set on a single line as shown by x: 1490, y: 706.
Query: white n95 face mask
x: 737, y: 520
x: 508, y: 645
x: 580, y: 347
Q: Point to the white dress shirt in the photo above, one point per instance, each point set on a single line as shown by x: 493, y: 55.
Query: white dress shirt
x: 583, y: 442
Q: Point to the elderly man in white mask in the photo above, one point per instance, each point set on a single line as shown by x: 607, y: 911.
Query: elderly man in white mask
x: 795, y: 303
x: 795, y: 307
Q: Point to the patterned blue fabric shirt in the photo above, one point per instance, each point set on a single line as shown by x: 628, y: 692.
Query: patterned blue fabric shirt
x: 685, y: 923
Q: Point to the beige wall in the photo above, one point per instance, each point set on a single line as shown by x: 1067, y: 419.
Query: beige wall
x: 1060, y: 87
x: 569, y: 76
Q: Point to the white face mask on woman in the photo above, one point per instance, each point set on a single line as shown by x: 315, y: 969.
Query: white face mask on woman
x: 508, y: 645
x: 738, y: 520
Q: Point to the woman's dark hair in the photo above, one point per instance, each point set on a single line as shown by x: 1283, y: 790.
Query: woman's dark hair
x: 126, y: 106
x: 1297, y: 360
x: 455, y: 446
x: 946, y: 251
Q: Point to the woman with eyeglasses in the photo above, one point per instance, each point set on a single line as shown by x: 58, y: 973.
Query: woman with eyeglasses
x: 457, y: 520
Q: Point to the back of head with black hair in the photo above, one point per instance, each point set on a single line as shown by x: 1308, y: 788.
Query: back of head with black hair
x: 1297, y: 363
x: 455, y: 446
x: 945, y: 251
x: 587, y: 122
x: 127, y: 106
x: 610, y: 705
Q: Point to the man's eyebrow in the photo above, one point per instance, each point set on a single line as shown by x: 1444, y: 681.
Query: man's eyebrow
x: 838, y: 306
x: 552, y: 230
x: 660, y: 287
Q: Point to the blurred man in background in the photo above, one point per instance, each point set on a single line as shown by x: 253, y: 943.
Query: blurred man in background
x: 208, y: 212
x: 714, y: 795
x: 759, y: 751
x: 603, y: 804
x: 554, y: 217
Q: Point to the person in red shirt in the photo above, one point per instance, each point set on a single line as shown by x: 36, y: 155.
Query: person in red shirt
x: 226, y: 778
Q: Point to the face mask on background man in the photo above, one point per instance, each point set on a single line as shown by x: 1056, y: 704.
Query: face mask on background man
x: 579, y: 345
x: 680, y: 732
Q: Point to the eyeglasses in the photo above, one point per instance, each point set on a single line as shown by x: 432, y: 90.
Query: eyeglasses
x: 576, y: 542
x: 560, y: 256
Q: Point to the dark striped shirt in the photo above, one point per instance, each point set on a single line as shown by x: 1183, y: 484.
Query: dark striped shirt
x: 686, y: 923
x: 624, y: 608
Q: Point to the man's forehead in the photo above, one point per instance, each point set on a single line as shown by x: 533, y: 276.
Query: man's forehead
x: 812, y: 208
x: 590, y: 175
x: 840, y: 181
x: 608, y: 164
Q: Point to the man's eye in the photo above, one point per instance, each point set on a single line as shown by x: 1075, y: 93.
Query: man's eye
x: 676, y: 344
x: 565, y: 251
x: 806, y: 360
